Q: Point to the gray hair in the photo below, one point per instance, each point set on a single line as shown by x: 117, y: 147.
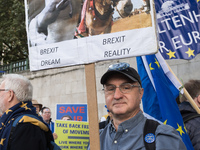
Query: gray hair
x: 20, y: 85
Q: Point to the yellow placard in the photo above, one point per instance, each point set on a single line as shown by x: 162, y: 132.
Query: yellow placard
x: 72, y: 134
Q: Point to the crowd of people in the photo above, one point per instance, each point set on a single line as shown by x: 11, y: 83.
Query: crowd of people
x: 124, y: 128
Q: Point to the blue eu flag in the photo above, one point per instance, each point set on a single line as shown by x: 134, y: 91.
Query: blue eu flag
x: 178, y: 26
x: 160, y: 92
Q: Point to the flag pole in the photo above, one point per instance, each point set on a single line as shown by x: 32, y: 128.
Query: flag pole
x: 185, y: 93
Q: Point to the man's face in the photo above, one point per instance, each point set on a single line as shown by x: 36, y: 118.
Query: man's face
x: 3, y: 99
x: 46, y: 115
x: 120, y: 104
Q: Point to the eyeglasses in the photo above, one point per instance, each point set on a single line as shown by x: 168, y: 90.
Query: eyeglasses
x: 47, y: 112
x: 119, y: 66
x: 124, y: 88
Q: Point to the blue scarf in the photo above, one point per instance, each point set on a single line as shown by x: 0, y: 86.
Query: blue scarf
x: 10, y: 115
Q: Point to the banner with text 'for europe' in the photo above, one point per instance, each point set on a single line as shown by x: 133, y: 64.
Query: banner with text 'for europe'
x: 178, y: 25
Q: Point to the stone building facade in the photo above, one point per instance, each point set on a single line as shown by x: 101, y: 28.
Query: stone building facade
x: 67, y: 85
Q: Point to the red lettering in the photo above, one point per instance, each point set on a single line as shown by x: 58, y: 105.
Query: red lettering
x: 78, y: 118
x: 62, y: 109
x: 75, y: 110
x: 68, y: 109
x: 81, y: 110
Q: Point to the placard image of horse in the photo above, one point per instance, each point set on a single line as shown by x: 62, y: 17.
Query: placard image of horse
x: 97, y: 15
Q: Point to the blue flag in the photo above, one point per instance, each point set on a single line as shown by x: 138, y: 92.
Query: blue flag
x: 161, y: 89
x: 178, y: 26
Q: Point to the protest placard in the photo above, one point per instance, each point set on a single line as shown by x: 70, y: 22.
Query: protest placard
x: 72, y: 134
x: 78, y: 112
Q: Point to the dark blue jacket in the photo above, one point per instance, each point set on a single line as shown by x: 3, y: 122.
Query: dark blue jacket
x: 192, y: 126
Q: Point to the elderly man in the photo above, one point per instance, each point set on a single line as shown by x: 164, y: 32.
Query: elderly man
x: 123, y: 94
x: 15, y: 101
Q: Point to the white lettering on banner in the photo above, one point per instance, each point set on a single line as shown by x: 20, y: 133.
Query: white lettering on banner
x: 48, y: 50
x: 162, y: 46
x: 117, y: 52
x: 175, y: 40
x: 178, y: 21
x: 179, y: 41
x: 114, y: 40
x: 50, y: 62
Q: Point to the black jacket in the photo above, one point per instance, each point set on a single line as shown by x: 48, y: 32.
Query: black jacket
x: 27, y: 136
x: 192, y: 126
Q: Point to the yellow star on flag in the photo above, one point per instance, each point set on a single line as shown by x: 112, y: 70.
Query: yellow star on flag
x: 2, y: 125
x: 157, y: 63
x: 180, y: 130
x: 165, y: 122
x: 185, y: 128
x: 171, y: 54
x: 2, y: 140
x: 27, y: 108
x: 190, y: 52
x: 150, y: 67
x: 198, y: 1
x: 24, y: 105
x: 7, y: 111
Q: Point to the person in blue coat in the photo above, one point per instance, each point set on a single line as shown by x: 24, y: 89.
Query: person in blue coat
x: 46, y: 115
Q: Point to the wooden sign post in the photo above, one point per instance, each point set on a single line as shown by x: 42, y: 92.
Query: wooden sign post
x: 92, y: 106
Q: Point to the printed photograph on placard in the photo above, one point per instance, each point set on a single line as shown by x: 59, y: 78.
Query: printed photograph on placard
x: 51, y: 21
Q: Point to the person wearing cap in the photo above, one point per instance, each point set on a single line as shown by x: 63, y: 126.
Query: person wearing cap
x: 37, y: 105
x: 123, y: 93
